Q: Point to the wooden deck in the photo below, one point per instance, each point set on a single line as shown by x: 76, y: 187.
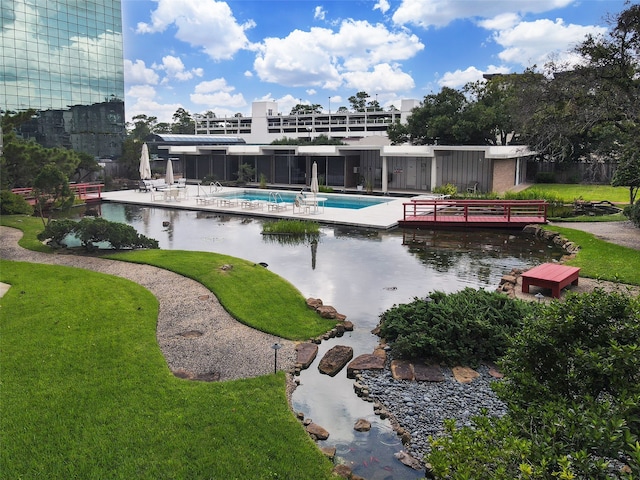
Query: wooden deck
x: 473, y: 213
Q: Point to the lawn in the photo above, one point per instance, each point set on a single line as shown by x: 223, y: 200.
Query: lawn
x: 86, y: 393
x: 590, y: 193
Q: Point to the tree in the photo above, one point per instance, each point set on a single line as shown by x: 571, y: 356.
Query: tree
x: 358, y: 101
x: 342, y: 109
x: 591, y: 111
x: 628, y: 172
x: 183, y: 123
x: 302, y: 109
x: 143, y: 126
x: 51, y: 189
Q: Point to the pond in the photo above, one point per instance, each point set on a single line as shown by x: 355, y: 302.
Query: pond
x: 361, y: 273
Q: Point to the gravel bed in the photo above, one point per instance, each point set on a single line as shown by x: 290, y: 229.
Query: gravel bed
x: 420, y: 408
x: 197, y: 336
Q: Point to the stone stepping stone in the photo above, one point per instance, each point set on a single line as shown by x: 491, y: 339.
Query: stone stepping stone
x: 306, y: 353
x: 402, y: 370
x: 464, y: 374
x: 428, y: 373
x: 366, y: 361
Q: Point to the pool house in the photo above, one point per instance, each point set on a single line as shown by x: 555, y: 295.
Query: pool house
x: 380, y: 168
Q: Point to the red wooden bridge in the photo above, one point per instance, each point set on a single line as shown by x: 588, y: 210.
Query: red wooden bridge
x: 89, y: 192
x: 473, y: 213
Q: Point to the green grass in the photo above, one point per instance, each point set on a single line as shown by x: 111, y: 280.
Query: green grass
x: 590, y: 193
x: 251, y: 293
x: 602, y: 260
x: 86, y: 393
x: 292, y: 227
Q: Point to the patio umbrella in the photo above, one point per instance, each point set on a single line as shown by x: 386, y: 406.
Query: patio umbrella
x: 145, y: 167
x: 314, y: 180
x: 168, y: 178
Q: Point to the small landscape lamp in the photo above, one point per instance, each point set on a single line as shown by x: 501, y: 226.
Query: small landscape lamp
x: 276, y: 346
x: 428, y: 299
x: 539, y: 296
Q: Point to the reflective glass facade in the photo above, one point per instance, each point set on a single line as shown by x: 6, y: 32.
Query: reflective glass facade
x: 64, y: 58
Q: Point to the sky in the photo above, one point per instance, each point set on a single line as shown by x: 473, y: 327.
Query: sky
x: 220, y: 56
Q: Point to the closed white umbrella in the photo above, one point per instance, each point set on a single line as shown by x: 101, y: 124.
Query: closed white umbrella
x: 314, y: 184
x: 168, y: 178
x: 145, y: 167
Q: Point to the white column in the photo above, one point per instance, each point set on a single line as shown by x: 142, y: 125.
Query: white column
x: 434, y: 173
x: 385, y: 177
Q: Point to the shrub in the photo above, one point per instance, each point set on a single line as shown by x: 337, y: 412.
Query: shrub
x: 465, y: 327
x: 12, y: 204
x: 91, y: 231
x: 446, y: 189
x: 633, y: 213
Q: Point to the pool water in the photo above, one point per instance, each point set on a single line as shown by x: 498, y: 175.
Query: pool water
x: 352, y: 202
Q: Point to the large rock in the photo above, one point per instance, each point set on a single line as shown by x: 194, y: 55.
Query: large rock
x: 362, y: 425
x: 335, y: 359
x: 306, y: 353
x: 464, y: 374
x: 428, y: 373
x: 408, y: 460
x: 402, y: 370
x: 366, y: 361
x: 327, y: 311
x: 317, y: 431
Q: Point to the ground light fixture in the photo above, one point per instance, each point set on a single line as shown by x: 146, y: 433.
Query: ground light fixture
x: 539, y: 296
x: 276, y: 346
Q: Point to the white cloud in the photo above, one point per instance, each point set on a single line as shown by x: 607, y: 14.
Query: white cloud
x: 500, y: 22
x: 175, y: 69
x: 216, y: 93
x: 319, y: 13
x: 208, y: 25
x: 138, y: 73
x: 248, y: 73
x: 324, y: 58
x: 439, y: 13
x: 383, y: 78
x: 141, y: 100
x: 459, y: 78
x: 311, y: 91
x: 537, y: 42
x: 382, y: 5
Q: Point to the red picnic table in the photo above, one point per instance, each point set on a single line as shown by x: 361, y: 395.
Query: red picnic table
x: 550, y: 275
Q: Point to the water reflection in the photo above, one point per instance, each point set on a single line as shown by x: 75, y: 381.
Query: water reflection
x: 361, y: 273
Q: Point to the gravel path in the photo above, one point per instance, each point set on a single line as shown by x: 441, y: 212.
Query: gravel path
x: 620, y: 233
x: 198, y: 337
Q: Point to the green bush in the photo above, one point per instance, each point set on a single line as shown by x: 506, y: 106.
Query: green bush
x: 12, y: 204
x: 446, y: 189
x: 571, y: 386
x: 633, y: 213
x: 466, y: 327
x: 91, y: 231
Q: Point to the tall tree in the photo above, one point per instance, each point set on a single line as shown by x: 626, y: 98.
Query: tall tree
x: 143, y: 126
x: 358, y: 101
x: 183, y: 123
x: 303, y: 109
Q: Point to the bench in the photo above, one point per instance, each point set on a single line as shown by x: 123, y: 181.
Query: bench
x: 550, y: 275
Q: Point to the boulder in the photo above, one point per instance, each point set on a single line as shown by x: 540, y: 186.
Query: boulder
x: 362, y: 425
x: 408, y: 460
x: 348, y: 326
x: 329, y: 452
x: 314, y: 303
x: 428, y: 373
x: 327, y: 311
x: 306, y: 353
x: 342, y: 471
x: 402, y: 370
x: 366, y: 361
x: 317, y: 431
x: 464, y: 374
x: 335, y: 359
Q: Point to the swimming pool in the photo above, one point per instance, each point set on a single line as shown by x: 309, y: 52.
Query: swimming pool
x: 352, y: 202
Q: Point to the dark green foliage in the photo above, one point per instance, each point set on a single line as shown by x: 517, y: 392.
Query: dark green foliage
x: 633, y: 212
x: 12, y: 204
x: 466, y: 327
x: 92, y: 231
x: 571, y: 385
x: 545, y: 177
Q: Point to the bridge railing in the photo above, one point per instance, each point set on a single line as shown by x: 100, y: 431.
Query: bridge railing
x: 431, y: 209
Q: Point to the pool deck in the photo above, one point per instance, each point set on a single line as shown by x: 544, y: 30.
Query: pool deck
x: 383, y: 216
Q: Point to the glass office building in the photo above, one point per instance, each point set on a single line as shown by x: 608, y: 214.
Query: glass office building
x: 64, y: 59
